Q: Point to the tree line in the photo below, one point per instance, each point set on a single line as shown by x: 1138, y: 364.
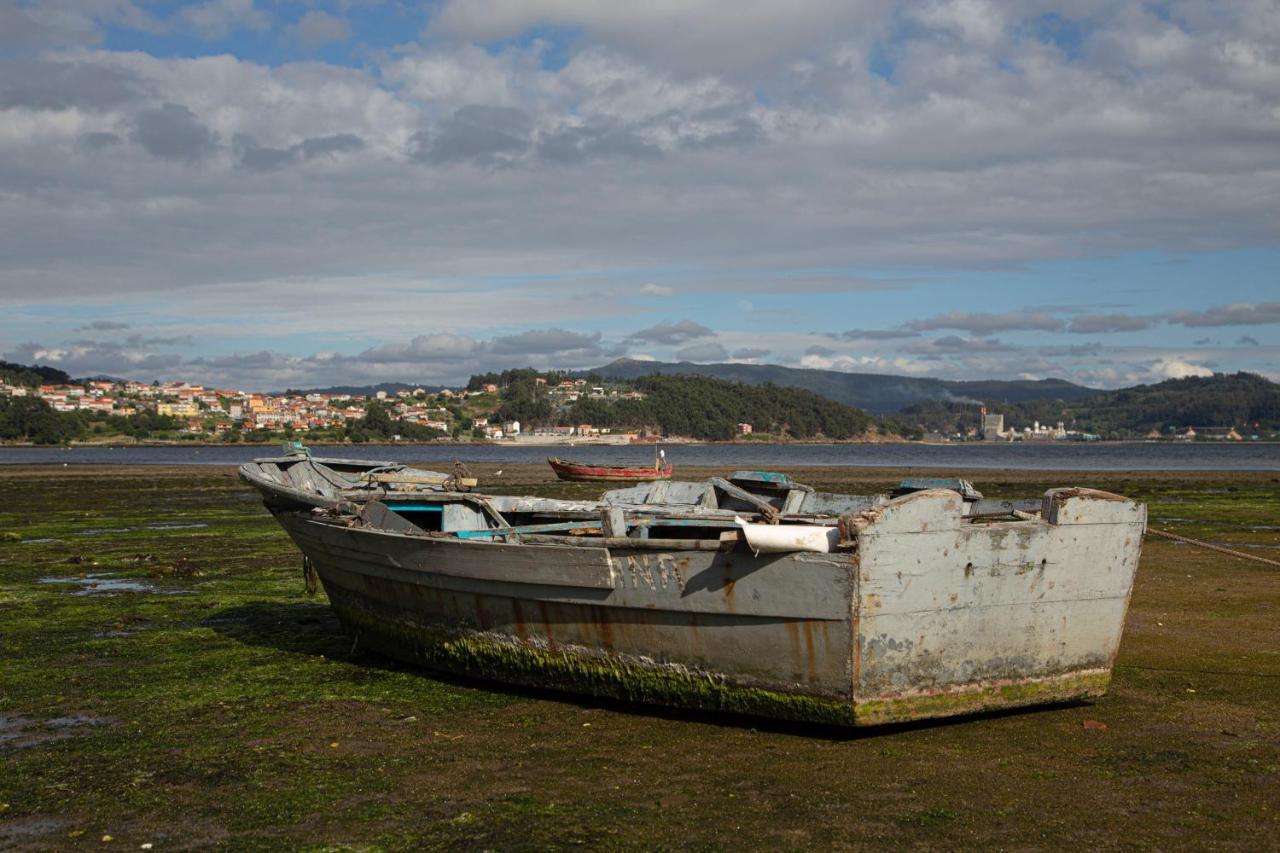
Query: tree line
x: 32, y: 419
x: 33, y: 376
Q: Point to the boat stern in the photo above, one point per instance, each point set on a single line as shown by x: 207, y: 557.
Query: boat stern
x: 957, y: 615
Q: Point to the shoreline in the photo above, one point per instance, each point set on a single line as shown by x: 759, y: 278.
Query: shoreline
x: 916, y: 457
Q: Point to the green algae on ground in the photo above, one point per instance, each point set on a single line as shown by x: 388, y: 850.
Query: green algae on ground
x: 237, y: 716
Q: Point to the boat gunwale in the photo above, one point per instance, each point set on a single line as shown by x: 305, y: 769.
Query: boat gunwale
x: 621, y: 543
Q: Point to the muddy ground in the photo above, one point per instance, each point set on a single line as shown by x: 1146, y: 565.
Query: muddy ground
x: 164, y: 681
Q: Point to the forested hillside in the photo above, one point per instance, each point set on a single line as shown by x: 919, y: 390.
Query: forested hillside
x: 880, y: 394
x: 711, y: 409
x: 31, y: 377
x: 690, y: 406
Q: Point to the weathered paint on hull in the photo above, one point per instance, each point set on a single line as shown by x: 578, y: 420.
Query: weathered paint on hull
x: 901, y: 628
x: 955, y: 617
x: 705, y: 614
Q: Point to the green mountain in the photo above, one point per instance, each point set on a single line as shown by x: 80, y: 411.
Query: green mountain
x: 873, y: 392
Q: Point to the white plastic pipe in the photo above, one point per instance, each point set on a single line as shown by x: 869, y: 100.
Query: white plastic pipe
x: 789, y: 538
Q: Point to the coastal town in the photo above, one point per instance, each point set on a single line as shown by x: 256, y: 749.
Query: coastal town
x: 207, y: 412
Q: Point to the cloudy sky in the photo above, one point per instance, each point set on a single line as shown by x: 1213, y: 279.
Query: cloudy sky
x: 304, y: 192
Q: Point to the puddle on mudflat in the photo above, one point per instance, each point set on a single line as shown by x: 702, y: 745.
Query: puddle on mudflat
x: 18, y: 732
x: 1218, y: 523
x: 98, y: 531
x: 155, y: 525
x: 22, y: 829
x: 44, y: 541
x: 71, y: 721
x: 106, y: 583
x: 11, y: 728
x: 1244, y: 544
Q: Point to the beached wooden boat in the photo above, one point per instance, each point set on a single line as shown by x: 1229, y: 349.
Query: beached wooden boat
x: 749, y: 594
x: 585, y: 472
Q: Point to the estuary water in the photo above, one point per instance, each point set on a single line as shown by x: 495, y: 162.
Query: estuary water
x: 1057, y: 456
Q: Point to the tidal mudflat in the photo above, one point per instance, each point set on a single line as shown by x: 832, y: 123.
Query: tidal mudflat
x: 164, y: 680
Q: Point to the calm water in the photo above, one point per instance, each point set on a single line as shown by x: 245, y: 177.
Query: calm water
x: 1058, y: 457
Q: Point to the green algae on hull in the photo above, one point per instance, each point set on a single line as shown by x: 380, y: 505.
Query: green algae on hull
x: 991, y: 696
x: 487, y: 656
x: 492, y: 657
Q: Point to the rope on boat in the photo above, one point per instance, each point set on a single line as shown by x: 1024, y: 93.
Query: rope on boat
x: 367, y: 475
x: 1189, y: 541
x: 454, y: 482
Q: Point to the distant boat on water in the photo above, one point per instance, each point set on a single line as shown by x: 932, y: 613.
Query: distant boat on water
x: 592, y: 473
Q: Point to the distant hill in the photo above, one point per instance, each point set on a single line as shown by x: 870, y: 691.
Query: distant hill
x: 872, y: 392
x: 1222, y: 400
x: 703, y: 407
x: 1246, y: 401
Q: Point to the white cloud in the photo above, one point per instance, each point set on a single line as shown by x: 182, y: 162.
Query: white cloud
x: 452, y: 77
x: 1175, y: 368
x: 709, y: 351
x: 864, y: 364
x: 317, y: 28
x: 1089, y: 324
x: 214, y: 19
x: 37, y: 24
x: 439, y: 346
x: 686, y: 34
x: 1236, y: 314
x: 671, y: 334
x: 983, y: 323
x: 977, y: 22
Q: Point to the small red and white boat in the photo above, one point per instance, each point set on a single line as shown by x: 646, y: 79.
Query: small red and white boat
x: 582, y: 472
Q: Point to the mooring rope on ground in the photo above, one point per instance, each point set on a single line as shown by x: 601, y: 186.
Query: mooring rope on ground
x: 1189, y: 541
